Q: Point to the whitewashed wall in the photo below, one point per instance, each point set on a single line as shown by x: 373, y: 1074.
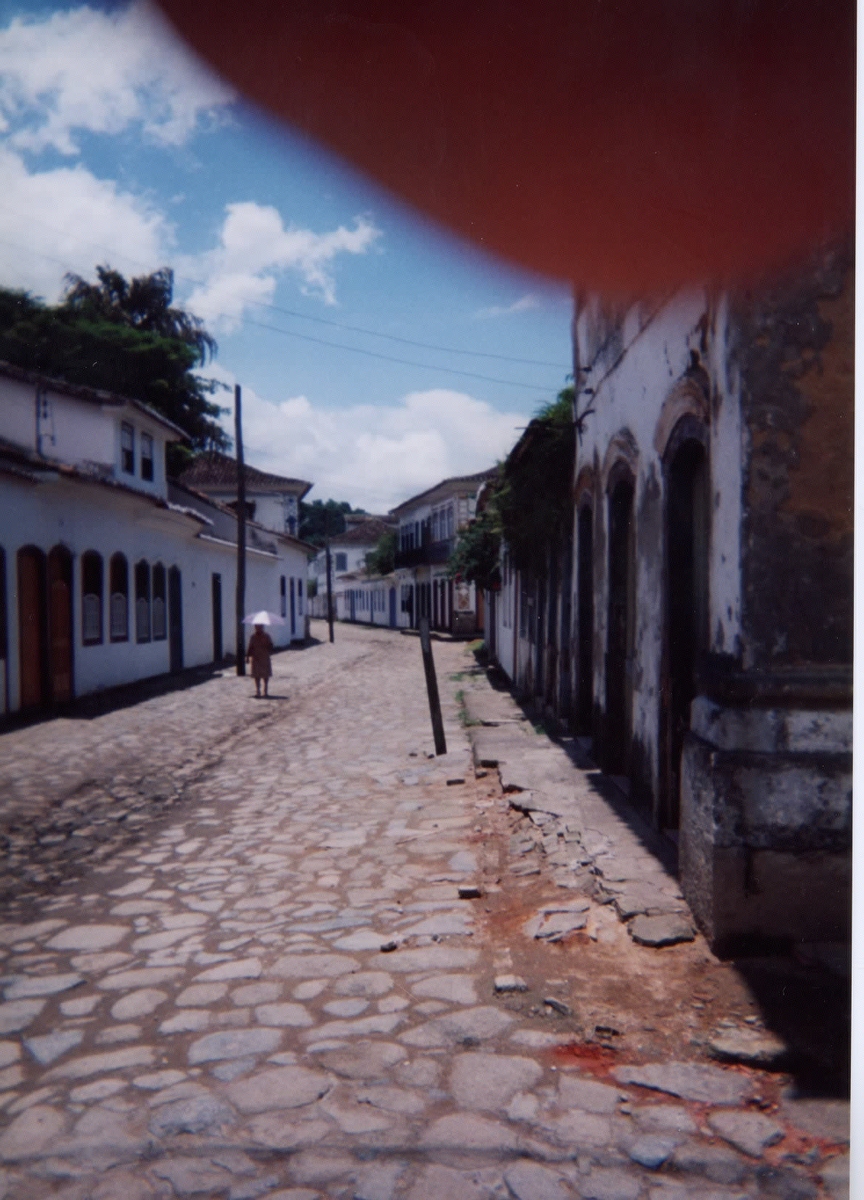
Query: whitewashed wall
x: 85, y: 517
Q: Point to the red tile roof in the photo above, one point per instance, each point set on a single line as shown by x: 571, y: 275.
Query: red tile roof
x: 219, y: 471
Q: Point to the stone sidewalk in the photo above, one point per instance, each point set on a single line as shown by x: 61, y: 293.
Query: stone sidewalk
x: 311, y: 960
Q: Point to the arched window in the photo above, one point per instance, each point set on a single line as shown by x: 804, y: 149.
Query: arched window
x: 119, y: 598
x: 91, y: 598
x: 160, y: 625
x: 142, y: 602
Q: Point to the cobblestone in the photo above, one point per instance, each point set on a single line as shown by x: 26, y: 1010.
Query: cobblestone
x: 202, y: 1005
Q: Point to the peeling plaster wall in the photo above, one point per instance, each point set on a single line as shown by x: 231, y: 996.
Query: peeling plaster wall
x: 641, y: 365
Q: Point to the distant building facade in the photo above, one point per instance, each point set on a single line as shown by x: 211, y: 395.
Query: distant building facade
x: 428, y: 525
x: 348, y: 551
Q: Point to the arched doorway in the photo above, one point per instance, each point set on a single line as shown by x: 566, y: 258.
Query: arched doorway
x: 32, y: 628
x: 686, y: 608
x: 60, y: 654
x: 620, y: 624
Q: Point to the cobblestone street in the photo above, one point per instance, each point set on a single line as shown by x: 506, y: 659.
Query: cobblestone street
x: 276, y: 948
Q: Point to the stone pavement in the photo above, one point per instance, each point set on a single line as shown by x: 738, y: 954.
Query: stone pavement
x: 308, y: 959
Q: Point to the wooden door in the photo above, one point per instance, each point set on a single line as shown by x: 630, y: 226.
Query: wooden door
x: 31, y: 626
x: 60, y: 655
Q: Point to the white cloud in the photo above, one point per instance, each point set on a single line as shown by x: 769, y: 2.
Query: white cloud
x: 523, y: 304
x: 254, y: 247
x: 375, y: 456
x: 84, y: 70
x: 47, y: 217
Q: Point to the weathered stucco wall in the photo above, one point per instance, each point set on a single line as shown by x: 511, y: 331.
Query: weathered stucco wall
x: 793, y: 350
x: 649, y: 369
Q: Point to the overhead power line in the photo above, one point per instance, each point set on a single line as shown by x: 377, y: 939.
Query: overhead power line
x: 535, y: 362
x: 308, y: 337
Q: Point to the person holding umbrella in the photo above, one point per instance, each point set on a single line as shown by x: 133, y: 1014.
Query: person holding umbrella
x: 261, y: 647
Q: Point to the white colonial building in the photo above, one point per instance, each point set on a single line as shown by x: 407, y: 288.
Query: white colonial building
x: 348, y: 551
x: 110, y: 573
x: 428, y: 526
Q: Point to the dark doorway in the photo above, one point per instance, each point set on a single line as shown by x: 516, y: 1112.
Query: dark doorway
x: 32, y: 627
x: 585, y: 619
x: 293, y: 611
x: 216, y: 585
x: 175, y: 620
x: 565, y: 686
x: 392, y: 608
x: 686, y: 629
x: 60, y: 625
x: 619, y: 646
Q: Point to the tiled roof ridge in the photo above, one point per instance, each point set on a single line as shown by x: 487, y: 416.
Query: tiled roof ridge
x: 212, y: 468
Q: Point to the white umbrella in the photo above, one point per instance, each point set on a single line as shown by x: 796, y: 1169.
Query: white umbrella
x: 264, y: 618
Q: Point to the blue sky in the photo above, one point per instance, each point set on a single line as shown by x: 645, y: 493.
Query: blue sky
x: 117, y: 146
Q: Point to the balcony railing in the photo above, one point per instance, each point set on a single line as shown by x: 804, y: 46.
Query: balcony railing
x: 427, y: 555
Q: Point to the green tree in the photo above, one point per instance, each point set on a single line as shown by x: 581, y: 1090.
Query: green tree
x: 322, y: 519
x: 382, y: 560
x: 123, y: 337
x: 535, y: 495
x: 528, y: 504
x: 477, y: 555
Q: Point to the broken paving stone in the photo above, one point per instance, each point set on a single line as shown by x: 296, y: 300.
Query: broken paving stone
x: 552, y: 926
x: 510, y: 983
x: 750, y: 1132
x: 363, y: 1060
x: 754, y: 1046
x: 661, y: 931
x: 558, y: 1006
x: 280, y: 1087
x: 690, y: 1081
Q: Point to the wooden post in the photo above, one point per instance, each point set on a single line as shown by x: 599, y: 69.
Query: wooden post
x: 432, y: 687
x: 241, y: 534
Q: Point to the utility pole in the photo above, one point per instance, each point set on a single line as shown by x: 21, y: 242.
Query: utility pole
x: 329, y: 571
x: 241, y: 534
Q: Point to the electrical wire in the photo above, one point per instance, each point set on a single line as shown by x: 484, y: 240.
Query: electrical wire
x: 288, y: 311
